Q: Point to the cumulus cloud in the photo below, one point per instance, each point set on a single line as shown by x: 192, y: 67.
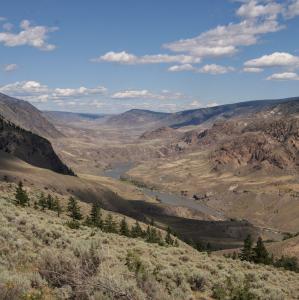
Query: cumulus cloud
x: 34, y: 36
x: 79, y: 92
x: 276, y: 59
x: 127, y: 58
x: 293, y: 9
x: 257, y: 18
x: 225, y: 40
x: 146, y: 94
x: 208, y: 69
x: 215, y: 69
x: 252, y: 70
x: 254, y: 9
x: 284, y: 76
x: 35, y: 91
x: 10, y: 67
x: 181, y: 68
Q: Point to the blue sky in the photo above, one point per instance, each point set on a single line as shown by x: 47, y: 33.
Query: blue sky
x: 111, y: 56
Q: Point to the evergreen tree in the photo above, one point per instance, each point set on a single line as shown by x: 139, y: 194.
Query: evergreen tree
x: 261, y: 254
x: 247, y: 251
x: 109, y: 224
x: 137, y: 231
x: 50, y: 202
x: 168, y: 238
x: 42, y: 201
x: 74, y: 209
x: 21, y: 196
x: 57, y: 207
x: 95, y: 215
x: 124, y: 228
x: 152, y: 235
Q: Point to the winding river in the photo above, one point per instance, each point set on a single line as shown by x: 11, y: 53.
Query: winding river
x: 120, y: 170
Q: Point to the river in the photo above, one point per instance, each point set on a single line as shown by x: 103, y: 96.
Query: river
x: 168, y: 198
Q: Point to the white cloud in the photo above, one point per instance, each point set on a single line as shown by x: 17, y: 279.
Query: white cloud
x: 225, y: 40
x: 258, y: 18
x: 215, y: 69
x: 293, y: 9
x: 284, y: 76
x: 276, y: 59
x: 34, y: 36
x: 35, y: 91
x: 79, y: 92
x: 127, y: 58
x: 10, y: 67
x: 146, y: 94
x: 181, y: 68
x: 254, y: 9
x: 252, y: 70
x: 21, y: 88
x: 2, y: 19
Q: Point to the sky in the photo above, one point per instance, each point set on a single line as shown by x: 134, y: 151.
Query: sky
x: 109, y: 56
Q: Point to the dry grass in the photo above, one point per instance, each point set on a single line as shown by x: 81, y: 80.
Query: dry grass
x: 41, y: 258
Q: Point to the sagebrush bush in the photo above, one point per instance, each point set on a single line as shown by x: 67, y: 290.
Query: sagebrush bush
x: 41, y: 258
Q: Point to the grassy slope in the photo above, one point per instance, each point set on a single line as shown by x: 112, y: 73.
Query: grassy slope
x: 40, y: 256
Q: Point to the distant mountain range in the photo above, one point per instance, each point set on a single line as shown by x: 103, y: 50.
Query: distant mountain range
x: 149, y: 118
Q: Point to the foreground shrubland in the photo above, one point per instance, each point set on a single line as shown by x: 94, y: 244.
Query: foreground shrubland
x: 43, y: 258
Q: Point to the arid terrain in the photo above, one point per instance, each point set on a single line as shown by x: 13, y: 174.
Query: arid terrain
x: 210, y: 177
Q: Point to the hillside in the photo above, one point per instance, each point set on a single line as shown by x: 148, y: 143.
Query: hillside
x: 25, y: 115
x: 188, y: 223
x: 56, y: 262
x: 30, y: 148
x: 246, y: 165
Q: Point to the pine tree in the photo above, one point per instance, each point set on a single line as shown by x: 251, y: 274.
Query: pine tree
x: 110, y: 225
x: 21, y: 196
x: 168, y: 238
x: 50, y: 202
x: 57, y: 207
x: 124, y: 228
x: 95, y: 215
x: 152, y: 236
x: 247, y: 251
x: 137, y: 231
x: 74, y: 209
x: 42, y: 201
x: 261, y: 254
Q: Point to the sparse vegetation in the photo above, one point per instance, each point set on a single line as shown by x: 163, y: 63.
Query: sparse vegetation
x: 260, y: 255
x: 41, y: 258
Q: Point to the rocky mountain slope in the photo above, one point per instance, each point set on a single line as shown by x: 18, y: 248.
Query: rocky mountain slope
x: 30, y: 147
x: 25, y: 115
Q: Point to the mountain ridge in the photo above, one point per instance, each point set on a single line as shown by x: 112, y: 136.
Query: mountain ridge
x: 25, y: 115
